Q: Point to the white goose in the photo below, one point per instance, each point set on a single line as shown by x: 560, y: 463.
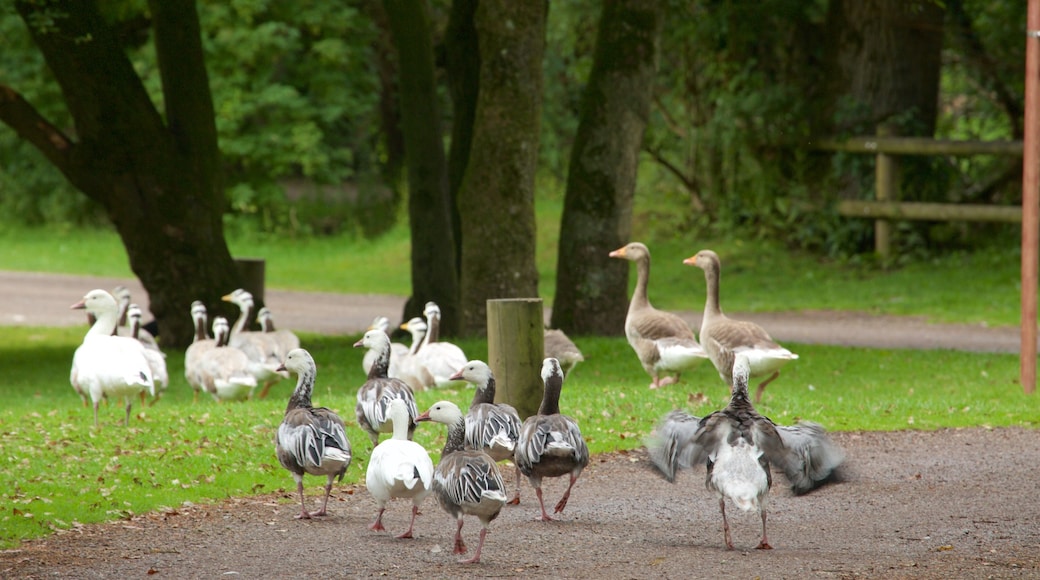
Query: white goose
x: 107, y: 366
x: 374, y: 396
x: 738, y: 445
x: 226, y: 373
x: 409, y: 368
x: 397, y: 350
x: 399, y: 468
x: 258, y: 346
x: 466, y: 482
x: 199, y: 345
x: 310, y: 439
x: 551, y: 444
x: 156, y: 358
x: 721, y: 335
x: 440, y: 359
x: 494, y: 428
x: 663, y: 342
x: 284, y: 339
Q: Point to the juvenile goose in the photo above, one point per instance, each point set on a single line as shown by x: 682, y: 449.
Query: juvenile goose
x: 399, y: 468
x: 258, y: 346
x: 156, y: 358
x: 560, y: 347
x: 285, y: 340
x: 466, y: 481
x: 199, y: 345
x: 397, y: 350
x: 663, y: 342
x: 494, y: 428
x: 738, y: 445
x: 310, y: 439
x: 440, y: 359
x: 374, y: 396
x: 720, y: 334
x: 107, y: 366
x: 225, y: 372
x: 551, y: 444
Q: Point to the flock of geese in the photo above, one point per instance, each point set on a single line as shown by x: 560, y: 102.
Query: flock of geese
x: 737, y: 445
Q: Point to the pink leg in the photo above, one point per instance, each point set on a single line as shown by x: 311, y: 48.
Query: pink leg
x: 408, y: 534
x: 764, y: 544
x: 325, y: 504
x: 304, y: 515
x: 762, y: 386
x: 725, y: 525
x: 377, y: 526
x: 516, y: 498
x: 566, y: 495
x: 126, y: 422
x: 460, y: 546
x: 541, y: 503
x: 480, y: 546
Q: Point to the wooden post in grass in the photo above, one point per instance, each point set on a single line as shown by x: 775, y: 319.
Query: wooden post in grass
x: 516, y: 348
x: 886, y: 188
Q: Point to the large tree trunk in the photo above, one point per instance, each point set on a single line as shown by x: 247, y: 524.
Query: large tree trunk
x: 496, y: 200
x: 591, y: 288
x: 434, y: 275
x: 158, y: 182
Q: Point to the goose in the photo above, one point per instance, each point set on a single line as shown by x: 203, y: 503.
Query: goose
x: 285, y: 340
x: 738, y: 445
x: 466, y: 481
x: 720, y: 333
x: 663, y: 342
x: 551, y: 444
x: 104, y: 365
x: 560, y: 347
x: 399, y: 468
x: 310, y: 439
x: 440, y: 359
x: 494, y: 428
x: 258, y: 346
x: 201, y: 343
x: 225, y: 372
x: 409, y: 368
x: 156, y: 358
x: 375, y: 394
x: 397, y: 350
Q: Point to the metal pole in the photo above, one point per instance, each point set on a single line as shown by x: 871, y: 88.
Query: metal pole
x: 1030, y: 195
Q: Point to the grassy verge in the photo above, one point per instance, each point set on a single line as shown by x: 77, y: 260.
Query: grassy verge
x: 59, y: 472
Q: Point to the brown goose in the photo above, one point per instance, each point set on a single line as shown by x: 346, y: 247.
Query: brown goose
x: 738, y: 445
x: 310, y: 439
x: 662, y: 340
x: 551, y: 444
x: 722, y: 336
x: 466, y: 482
x: 374, y: 396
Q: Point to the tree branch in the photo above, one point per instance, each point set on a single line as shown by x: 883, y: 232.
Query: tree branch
x: 31, y: 126
x: 689, y: 183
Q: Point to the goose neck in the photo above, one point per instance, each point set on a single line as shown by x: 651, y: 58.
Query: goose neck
x: 711, y: 302
x: 456, y: 437
x: 484, y: 393
x: 639, y: 297
x: 301, y: 396
x: 551, y: 398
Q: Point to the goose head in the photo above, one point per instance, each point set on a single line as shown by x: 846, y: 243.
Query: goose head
x: 704, y: 259
x: 551, y: 370
x: 380, y: 323
x: 417, y: 327
x: 632, y: 251
x: 374, y: 340
x: 298, y: 361
x: 221, y: 330
x: 265, y: 319
x: 103, y: 307
x: 444, y: 412
x: 475, y: 371
x: 432, y: 311
x: 240, y: 297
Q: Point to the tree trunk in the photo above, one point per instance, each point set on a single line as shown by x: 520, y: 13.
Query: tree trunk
x: 159, y: 183
x: 591, y: 288
x: 434, y: 276
x: 496, y: 200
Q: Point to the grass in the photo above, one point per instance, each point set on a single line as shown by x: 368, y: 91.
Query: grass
x: 59, y: 472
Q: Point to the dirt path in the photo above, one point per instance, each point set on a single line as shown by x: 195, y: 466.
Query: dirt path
x: 948, y: 504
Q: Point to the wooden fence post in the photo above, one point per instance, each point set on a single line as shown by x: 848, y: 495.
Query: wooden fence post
x: 516, y: 349
x: 886, y: 186
x: 252, y: 270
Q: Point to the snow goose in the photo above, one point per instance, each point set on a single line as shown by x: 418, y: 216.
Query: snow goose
x: 284, y: 339
x: 467, y: 481
x: 156, y: 358
x: 397, y: 350
x: 440, y: 359
x: 495, y: 428
x: 551, y: 444
x: 663, y: 342
x: 720, y: 334
x: 560, y: 347
x: 374, y: 396
x: 226, y: 373
x: 104, y: 365
x: 738, y: 445
x: 258, y: 346
x: 399, y: 468
x: 310, y: 439
x: 199, y: 345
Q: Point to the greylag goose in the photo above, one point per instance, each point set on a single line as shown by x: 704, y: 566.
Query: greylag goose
x: 738, y: 445
x: 551, y: 444
x: 258, y: 346
x: 467, y: 481
x: 397, y: 350
x: 440, y: 359
x: 199, y: 345
x: 284, y: 339
x: 720, y: 334
x: 374, y: 396
x: 105, y: 365
x: 226, y: 373
x: 560, y: 347
x: 495, y: 428
x: 663, y: 342
x: 156, y: 358
x: 399, y: 468
x: 310, y: 439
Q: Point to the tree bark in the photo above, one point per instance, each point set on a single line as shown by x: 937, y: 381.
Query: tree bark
x: 434, y: 273
x: 158, y: 182
x: 462, y: 64
x: 591, y: 288
x: 496, y: 199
